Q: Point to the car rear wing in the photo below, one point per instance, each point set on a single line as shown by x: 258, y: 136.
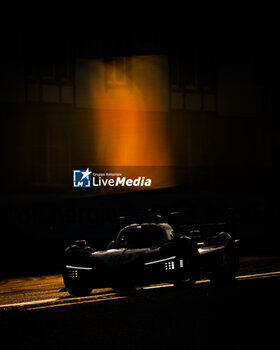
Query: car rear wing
x: 176, y: 220
x: 206, y: 229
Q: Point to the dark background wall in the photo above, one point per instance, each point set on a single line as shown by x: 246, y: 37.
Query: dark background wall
x: 221, y: 113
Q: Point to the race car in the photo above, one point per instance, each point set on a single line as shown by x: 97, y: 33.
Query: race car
x: 150, y: 252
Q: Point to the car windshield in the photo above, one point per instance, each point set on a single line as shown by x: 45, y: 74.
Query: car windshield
x: 142, y: 236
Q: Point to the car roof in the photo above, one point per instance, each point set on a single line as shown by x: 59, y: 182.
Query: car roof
x: 163, y: 231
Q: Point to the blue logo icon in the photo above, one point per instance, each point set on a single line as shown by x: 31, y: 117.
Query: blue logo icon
x: 82, y: 178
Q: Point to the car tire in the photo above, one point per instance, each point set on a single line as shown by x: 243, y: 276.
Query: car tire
x: 79, y: 286
x: 227, y: 270
x: 191, y: 273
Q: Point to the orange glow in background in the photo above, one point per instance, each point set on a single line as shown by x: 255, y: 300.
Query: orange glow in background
x: 130, y: 121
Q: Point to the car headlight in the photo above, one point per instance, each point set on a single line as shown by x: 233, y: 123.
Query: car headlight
x: 168, y: 262
x: 169, y: 265
x: 73, y: 271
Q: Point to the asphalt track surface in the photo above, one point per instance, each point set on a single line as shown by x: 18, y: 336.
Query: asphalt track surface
x: 45, y: 291
x: 38, y: 313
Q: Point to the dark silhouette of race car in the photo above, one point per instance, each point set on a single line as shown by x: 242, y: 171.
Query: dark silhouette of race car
x: 149, y: 252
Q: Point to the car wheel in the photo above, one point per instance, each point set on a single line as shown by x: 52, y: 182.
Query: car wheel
x: 76, y: 285
x: 228, y: 268
x: 191, y: 271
